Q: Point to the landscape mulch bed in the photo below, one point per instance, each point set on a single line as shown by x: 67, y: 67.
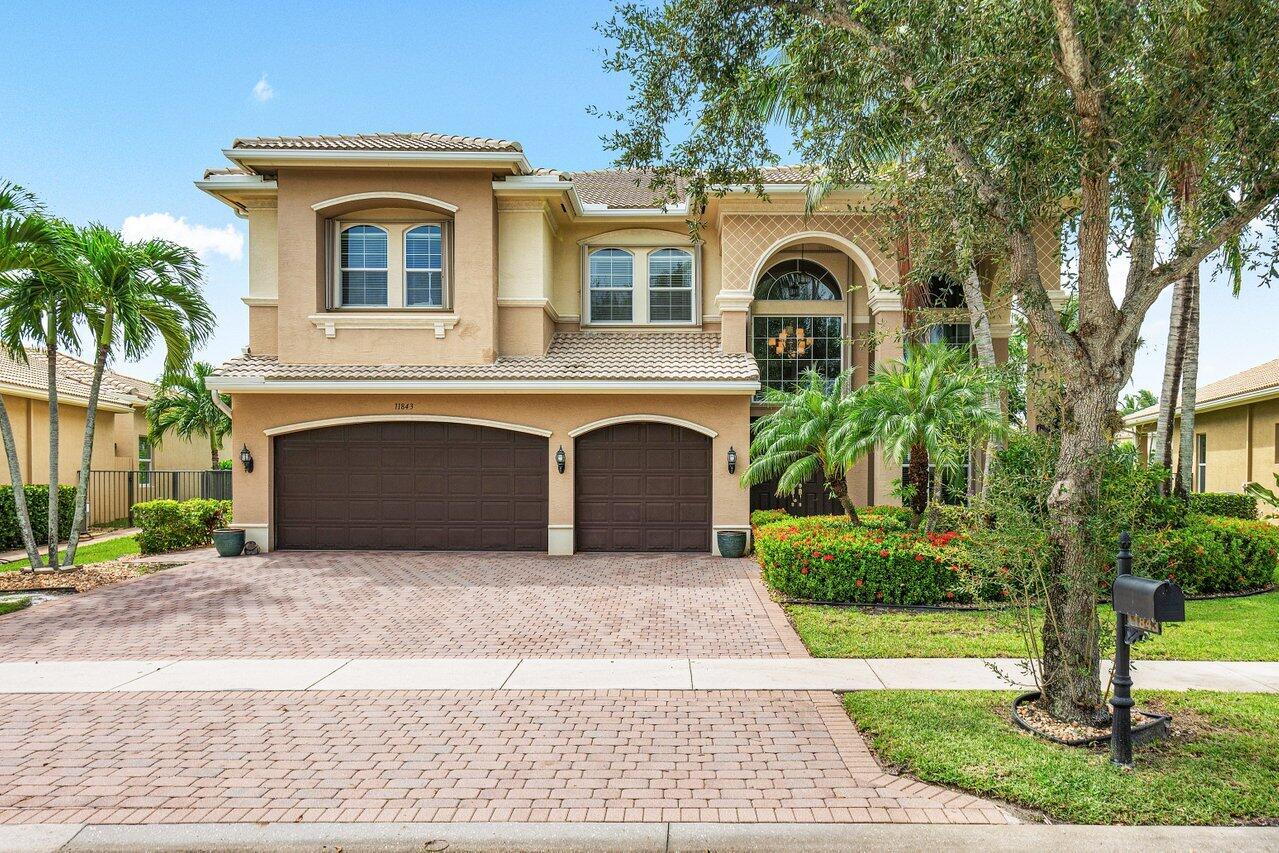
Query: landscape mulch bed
x: 81, y: 579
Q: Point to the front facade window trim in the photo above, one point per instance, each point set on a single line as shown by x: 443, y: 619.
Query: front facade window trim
x: 417, y: 270
x: 662, y: 283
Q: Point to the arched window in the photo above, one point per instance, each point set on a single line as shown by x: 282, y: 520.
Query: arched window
x: 798, y: 279
x: 612, y: 286
x: 363, y: 265
x: 670, y: 286
x: 424, y: 267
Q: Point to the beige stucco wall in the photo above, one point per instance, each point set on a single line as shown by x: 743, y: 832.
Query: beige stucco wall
x: 30, y: 420
x: 1241, y: 444
x: 301, y: 260
x: 727, y: 415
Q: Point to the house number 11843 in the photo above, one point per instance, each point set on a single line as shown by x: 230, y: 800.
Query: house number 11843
x: 403, y: 407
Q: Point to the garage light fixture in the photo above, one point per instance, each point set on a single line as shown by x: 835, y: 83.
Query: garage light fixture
x: 732, y: 461
x: 560, y: 458
x: 246, y: 459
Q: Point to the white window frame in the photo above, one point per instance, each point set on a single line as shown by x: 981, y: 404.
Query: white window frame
x: 145, y: 467
x: 1201, y: 461
x: 442, y: 269
x: 397, y: 273
x: 591, y: 252
x: 640, y: 285
x: 693, y: 308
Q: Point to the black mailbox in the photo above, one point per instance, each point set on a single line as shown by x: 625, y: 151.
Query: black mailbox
x: 1148, y: 601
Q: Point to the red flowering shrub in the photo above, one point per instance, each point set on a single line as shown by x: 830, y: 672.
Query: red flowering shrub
x: 825, y: 558
x: 1210, y: 554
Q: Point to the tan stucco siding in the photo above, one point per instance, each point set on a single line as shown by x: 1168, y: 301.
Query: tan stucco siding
x: 30, y: 420
x: 1233, y: 457
x: 728, y: 416
x: 301, y: 262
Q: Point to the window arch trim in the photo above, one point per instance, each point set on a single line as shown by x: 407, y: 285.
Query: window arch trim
x: 824, y: 279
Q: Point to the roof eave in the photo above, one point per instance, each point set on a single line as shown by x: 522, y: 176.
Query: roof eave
x: 1243, y: 397
x: 263, y: 385
x: 251, y: 158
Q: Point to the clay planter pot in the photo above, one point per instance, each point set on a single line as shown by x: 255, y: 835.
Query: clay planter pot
x: 229, y: 541
x: 732, y: 543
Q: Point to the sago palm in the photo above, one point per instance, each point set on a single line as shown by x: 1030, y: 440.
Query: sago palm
x: 137, y: 294
x: 929, y: 405
x: 811, y: 432
x: 184, y: 406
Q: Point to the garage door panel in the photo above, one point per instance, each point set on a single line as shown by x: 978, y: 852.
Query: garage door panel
x: 642, y: 487
x: 411, y: 485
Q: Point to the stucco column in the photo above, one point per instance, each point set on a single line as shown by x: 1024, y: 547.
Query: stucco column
x: 560, y: 496
x: 887, y: 325
x: 1034, y: 357
x: 734, y: 306
x: 730, y: 501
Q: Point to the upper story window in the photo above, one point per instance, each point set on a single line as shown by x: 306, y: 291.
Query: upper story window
x: 798, y: 279
x: 612, y: 286
x: 387, y: 264
x: 670, y: 286
x: 424, y: 267
x: 364, y: 270
x: 945, y: 295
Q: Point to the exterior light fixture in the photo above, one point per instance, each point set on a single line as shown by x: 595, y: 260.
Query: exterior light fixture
x: 246, y: 459
x: 560, y: 459
x: 732, y: 461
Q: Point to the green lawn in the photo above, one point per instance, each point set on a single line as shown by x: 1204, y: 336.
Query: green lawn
x: 1218, y: 629
x: 1221, y: 766
x: 14, y: 605
x: 90, y: 552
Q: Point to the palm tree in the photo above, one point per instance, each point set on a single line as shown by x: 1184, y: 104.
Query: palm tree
x: 185, y: 406
x: 136, y: 294
x: 931, y: 405
x: 27, y: 241
x: 812, y: 431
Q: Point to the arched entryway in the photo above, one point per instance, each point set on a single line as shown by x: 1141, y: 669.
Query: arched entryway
x: 417, y: 485
x: 643, y: 486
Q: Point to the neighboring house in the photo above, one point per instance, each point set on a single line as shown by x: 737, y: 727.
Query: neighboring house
x: 1236, y: 430
x: 434, y: 325
x: 120, y: 441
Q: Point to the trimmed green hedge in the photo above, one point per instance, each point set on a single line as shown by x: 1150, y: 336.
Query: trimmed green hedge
x: 825, y: 558
x: 1224, y: 504
x: 38, y: 508
x: 171, y: 525
x: 1211, y: 554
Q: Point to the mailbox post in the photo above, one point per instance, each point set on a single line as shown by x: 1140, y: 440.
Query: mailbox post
x: 1141, y: 607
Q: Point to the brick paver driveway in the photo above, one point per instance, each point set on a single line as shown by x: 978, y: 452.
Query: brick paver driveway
x: 398, y: 605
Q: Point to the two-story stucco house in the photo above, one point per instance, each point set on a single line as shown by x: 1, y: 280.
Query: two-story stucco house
x: 449, y: 348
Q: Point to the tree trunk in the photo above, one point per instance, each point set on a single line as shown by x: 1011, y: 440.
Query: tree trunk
x: 917, y: 478
x: 979, y: 319
x: 1070, y: 678
x: 86, y: 452
x: 213, y: 452
x: 51, y: 357
x: 838, y: 486
x: 1189, y: 378
x: 1161, y: 442
x: 19, y: 493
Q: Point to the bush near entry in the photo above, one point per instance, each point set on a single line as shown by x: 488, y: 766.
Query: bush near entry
x: 1210, y: 554
x: 38, y: 509
x: 1224, y: 504
x: 169, y: 525
x: 826, y: 558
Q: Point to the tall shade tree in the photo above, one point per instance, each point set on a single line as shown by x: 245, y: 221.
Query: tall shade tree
x: 1035, y: 114
x: 811, y: 432
x: 42, y: 304
x: 184, y: 406
x: 930, y: 404
x: 28, y: 244
x: 137, y: 294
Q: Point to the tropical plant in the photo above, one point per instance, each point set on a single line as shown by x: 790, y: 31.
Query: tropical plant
x: 185, y: 407
x: 812, y: 431
x: 1261, y: 493
x: 136, y: 294
x: 929, y: 407
x: 1143, y: 398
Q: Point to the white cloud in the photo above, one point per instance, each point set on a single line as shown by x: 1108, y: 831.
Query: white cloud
x: 225, y: 241
x: 262, y: 91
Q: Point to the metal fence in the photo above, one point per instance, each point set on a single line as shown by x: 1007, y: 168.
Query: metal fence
x: 112, y: 494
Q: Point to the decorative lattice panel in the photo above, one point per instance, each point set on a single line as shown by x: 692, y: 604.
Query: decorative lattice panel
x: 747, y: 237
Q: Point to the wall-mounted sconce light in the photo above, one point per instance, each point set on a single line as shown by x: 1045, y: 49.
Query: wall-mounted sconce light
x: 560, y: 458
x: 246, y: 459
x: 732, y: 461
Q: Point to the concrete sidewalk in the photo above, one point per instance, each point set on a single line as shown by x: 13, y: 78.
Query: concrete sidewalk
x: 628, y: 837
x: 315, y: 674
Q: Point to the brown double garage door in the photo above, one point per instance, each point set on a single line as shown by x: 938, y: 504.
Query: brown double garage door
x: 452, y: 486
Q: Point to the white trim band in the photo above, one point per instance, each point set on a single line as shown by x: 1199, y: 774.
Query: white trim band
x: 259, y: 385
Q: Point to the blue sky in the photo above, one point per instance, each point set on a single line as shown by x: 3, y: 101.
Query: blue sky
x: 116, y: 108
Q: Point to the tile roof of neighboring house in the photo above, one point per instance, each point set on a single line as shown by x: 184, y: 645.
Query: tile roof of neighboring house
x: 380, y: 142
x: 572, y: 356
x: 1255, y: 380
x: 625, y: 188
x: 73, y: 383
x: 131, y: 386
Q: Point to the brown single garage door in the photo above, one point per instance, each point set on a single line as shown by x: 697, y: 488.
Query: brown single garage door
x: 643, y: 487
x: 411, y: 485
